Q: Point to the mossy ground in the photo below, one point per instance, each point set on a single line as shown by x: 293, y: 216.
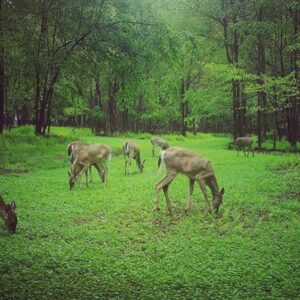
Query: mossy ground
x: 104, y: 242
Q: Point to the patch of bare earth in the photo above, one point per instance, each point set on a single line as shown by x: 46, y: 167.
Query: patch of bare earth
x: 13, y: 171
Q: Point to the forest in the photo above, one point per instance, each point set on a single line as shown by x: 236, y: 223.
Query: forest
x: 152, y: 66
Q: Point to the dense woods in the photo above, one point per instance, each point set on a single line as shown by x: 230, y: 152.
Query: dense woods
x: 151, y: 65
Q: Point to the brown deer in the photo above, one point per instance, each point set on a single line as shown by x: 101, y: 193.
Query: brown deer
x: 8, y: 214
x: 158, y: 142
x: 131, y: 150
x: 73, y: 150
x: 196, y: 168
x: 242, y: 143
x: 92, y: 155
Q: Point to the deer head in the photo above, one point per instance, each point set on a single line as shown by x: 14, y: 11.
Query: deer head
x: 8, y: 214
x: 218, y: 200
x: 141, y: 166
x: 72, y: 180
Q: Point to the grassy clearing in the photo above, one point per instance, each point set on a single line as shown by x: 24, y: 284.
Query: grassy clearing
x: 104, y: 242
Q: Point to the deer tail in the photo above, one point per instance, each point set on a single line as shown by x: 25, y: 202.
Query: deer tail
x: 160, y: 160
x: 70, y: 149
x: 126, y: 147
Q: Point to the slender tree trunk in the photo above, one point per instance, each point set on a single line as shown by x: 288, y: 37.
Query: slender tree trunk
x: 2, y: 73
x: 261, y: 96
x: 40, y: 105
x: 183, y: 108
x: 194, y: 127
x: 97, y: 102
x: 235, y: 109
x: 293, y: 105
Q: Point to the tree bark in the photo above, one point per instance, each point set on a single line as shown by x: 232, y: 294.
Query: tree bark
x: 2, y: 73
x: 293, y: 103
x: 183, y: 108
x: 261, y: 95
x: 40, y: 105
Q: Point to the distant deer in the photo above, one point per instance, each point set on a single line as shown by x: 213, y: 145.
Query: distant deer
x: 73, y: 150
x: 158, y: 142
x: 242, y: 143
x: 8, y: 214
x: 92, y: 155
x: 196, y: 168
x: 131, y: 150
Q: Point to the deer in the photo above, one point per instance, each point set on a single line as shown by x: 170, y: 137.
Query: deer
x: 158, y: 142
x: 242, y: 143
x: 131, y: 150
x: 73, y: 149
x: 8, y: 214
x: 196, y: 168
x: 92, y: 155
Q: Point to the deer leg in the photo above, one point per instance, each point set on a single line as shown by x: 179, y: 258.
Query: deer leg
x: 84, y: 170
x: 203, y: 189
x: 130, y: 167
x: 252, y: 150
x: 103, y: 170
x: 86, y: 178
x: 165, y: 189
x: 165, y: 181
x: 100, y: 171
x: 153, y: 148
x: 91, y: 179
x: 127, y: 162
x: 191, y: 190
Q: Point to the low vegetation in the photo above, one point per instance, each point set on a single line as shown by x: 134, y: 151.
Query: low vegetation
x: 105, y: 242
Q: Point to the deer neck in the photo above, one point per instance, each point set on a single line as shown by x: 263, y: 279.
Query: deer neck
x: 213, y: 185
x: 138, y: 161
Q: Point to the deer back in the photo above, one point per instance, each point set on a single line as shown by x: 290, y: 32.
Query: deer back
x: 8, y: 214
x: 185, y: 161
x: 244, y: 141
x: 131, y: 148
x: 73, y: 149
x: 93, y: 153
x: 159, y: 142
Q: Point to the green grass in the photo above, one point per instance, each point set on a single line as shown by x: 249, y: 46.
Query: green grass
x: 104, y: 242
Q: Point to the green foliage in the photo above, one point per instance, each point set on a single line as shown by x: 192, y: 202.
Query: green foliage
x: 104, y: 241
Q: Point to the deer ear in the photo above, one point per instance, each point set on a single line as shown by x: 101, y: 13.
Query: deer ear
x: 13, y: 205
x: 222, y: 191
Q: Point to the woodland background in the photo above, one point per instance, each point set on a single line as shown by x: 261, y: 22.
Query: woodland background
x: 152, y: 66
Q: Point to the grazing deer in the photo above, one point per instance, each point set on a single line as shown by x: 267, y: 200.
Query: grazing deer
x: 131, y: 150
x: 158, y: 142
x: 242, y: 143
x: 8, y: 214
x: 196, y: 168
x: 92, y: 155
x: 73, y: 150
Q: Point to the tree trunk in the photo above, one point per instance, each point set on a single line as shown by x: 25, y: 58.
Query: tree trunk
x: 111, y: 118
x: 293, y: 105
x: 40, y: 104
x: 2, y: 73
x: 194, y: 127
x: 183, y: 108
x: 261, y: 96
